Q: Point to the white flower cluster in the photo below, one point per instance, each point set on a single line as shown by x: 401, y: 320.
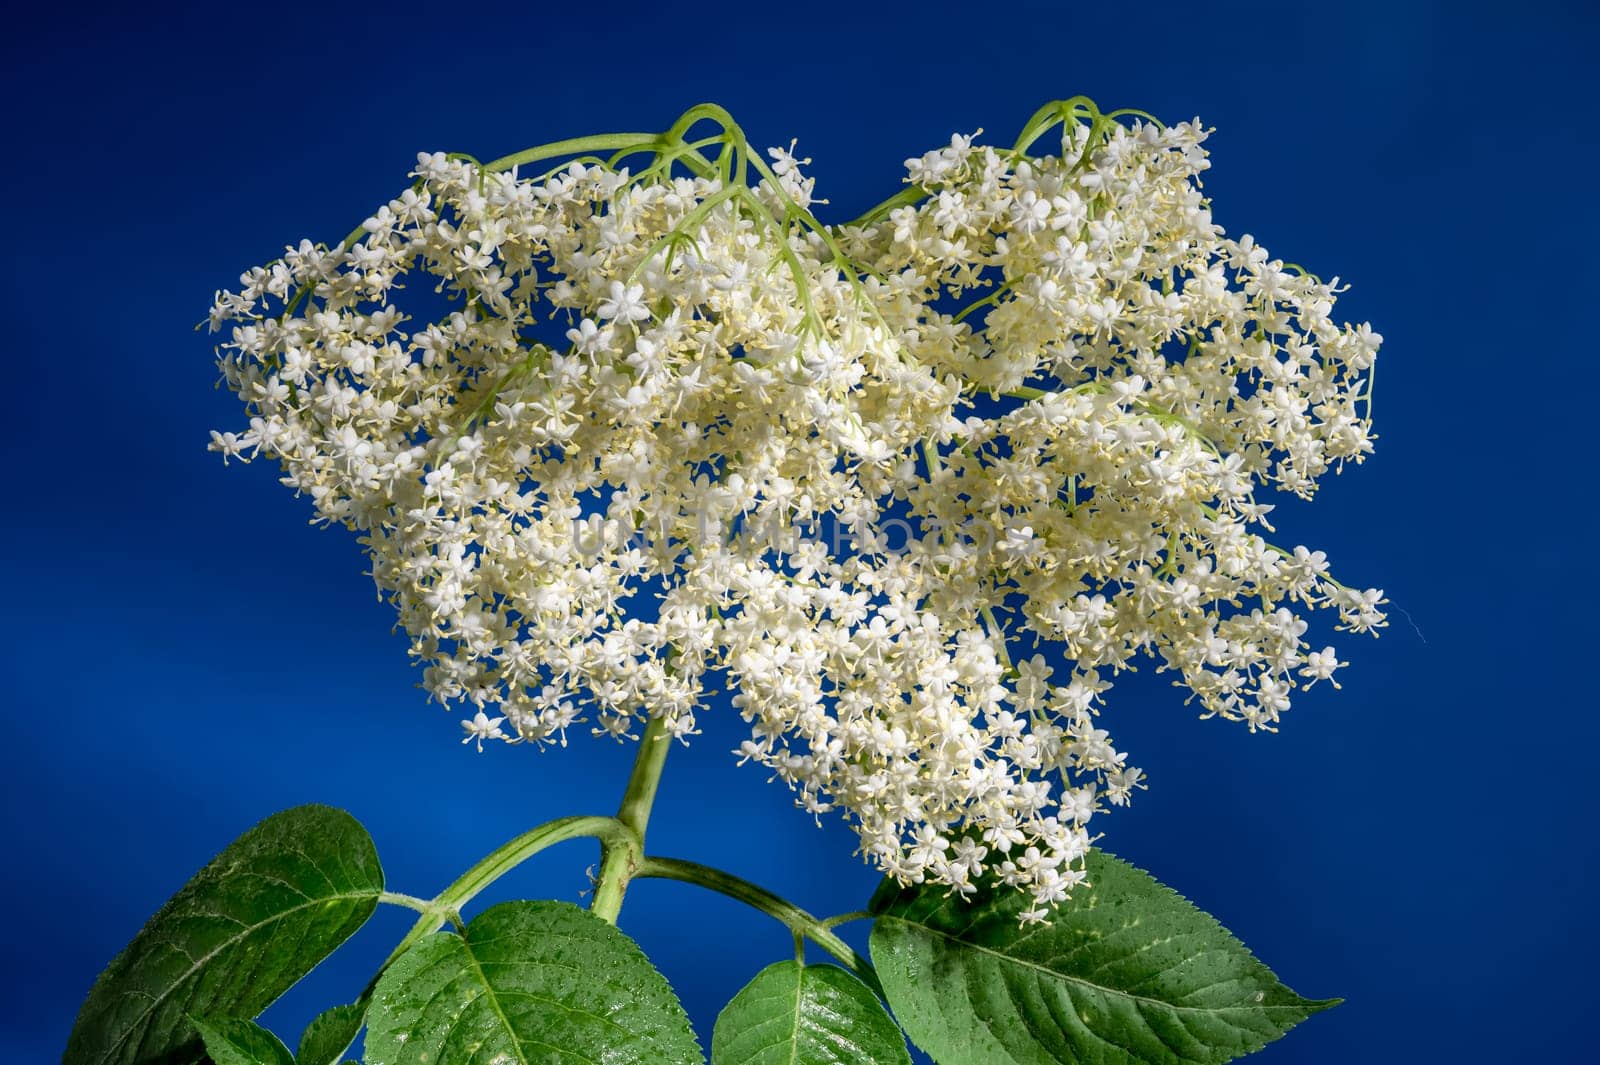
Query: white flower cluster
x: 877, y: 478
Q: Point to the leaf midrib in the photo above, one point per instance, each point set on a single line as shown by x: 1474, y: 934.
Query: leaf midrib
x: 1080, y: 981
x: 199, y: 963
x: 494, y: 999
x: 493, y: 994
x: 799, y: 1002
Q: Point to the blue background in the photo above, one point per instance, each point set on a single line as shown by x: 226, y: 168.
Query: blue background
x: 184, y: 654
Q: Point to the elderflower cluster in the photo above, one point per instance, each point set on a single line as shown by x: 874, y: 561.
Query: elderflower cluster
x: 914, y: 488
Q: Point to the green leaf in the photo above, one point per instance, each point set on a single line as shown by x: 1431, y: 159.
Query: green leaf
x: 236, y: 1042
x: 528, y: 983
x: 792, y: 1014
x: 330, y: 1034
x: 1127, y: 971
x: 250, y: 924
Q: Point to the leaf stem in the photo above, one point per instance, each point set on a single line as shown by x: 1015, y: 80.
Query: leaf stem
x: 620, y: 858
x: 793, y: 917
x: 410, y: 902
x: 846, y: 918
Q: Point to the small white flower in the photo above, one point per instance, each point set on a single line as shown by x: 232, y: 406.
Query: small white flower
x: 482, y: 727
x: 626, y: 303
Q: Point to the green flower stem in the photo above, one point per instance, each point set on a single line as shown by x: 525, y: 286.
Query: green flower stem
x: 612, y: 833
x: 619, y: 858
x: 793, y: 917
x: 904, y: 198
x: 604, y: 142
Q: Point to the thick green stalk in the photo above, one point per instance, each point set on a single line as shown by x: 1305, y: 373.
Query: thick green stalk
x: 793, y: 917
x: 619, y: 859
x: 612, y: 833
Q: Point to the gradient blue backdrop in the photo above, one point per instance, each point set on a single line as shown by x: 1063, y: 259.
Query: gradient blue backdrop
x: 183, y: 654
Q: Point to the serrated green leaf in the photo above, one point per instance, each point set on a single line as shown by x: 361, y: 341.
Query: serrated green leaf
x: 527, y: 983
x: 330, y: 1034
x: 236, y: 1042
x: 1127, y: 971
x: 250, y: 924
x: 806, y: 1015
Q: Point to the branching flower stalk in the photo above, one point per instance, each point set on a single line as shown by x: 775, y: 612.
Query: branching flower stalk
x: 620, y: 858
x: 917, y: 488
